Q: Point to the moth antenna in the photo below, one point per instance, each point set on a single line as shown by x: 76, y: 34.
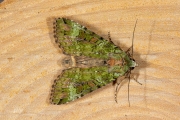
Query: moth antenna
x: 128, y: 87
x: 133, y: 37
x: 132, y: 57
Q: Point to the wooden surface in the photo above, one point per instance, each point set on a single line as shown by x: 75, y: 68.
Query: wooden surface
x: 29, y: 59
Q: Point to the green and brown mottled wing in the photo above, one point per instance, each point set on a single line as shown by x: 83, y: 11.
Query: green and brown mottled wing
x: 77, y: 40
x: 76, y: 82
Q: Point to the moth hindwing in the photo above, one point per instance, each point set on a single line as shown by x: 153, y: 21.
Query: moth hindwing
x: 91, y: 62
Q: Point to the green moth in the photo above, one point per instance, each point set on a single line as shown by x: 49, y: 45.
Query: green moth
x: 91, y: 62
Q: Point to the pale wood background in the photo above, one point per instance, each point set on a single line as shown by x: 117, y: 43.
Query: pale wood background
x: 29, y: 58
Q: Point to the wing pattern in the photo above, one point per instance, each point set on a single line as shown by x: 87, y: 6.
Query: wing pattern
x: 76, y: 81
x: 77, y: 40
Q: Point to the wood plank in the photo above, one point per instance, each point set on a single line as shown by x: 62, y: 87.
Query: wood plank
x: 29, y: 58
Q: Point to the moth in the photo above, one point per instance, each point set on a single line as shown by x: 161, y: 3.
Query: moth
x: 91, y: 62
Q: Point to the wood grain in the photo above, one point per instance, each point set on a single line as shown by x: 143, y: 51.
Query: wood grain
x: 29, y: 58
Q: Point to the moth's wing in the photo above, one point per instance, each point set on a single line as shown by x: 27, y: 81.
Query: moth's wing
x: 77, y: 40
x: 76, y: 82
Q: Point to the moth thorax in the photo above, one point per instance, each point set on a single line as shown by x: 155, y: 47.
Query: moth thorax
x: 113, y: 62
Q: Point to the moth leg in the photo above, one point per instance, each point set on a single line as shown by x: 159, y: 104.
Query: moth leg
x: 122, y: 79
x: 115, y: 94
x: 119, y: 84
x: 128, y: 51
x: 135, y: 79
x: 109, y: 36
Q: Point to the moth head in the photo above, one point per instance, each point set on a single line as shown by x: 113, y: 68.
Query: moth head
x: 133, y: 64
